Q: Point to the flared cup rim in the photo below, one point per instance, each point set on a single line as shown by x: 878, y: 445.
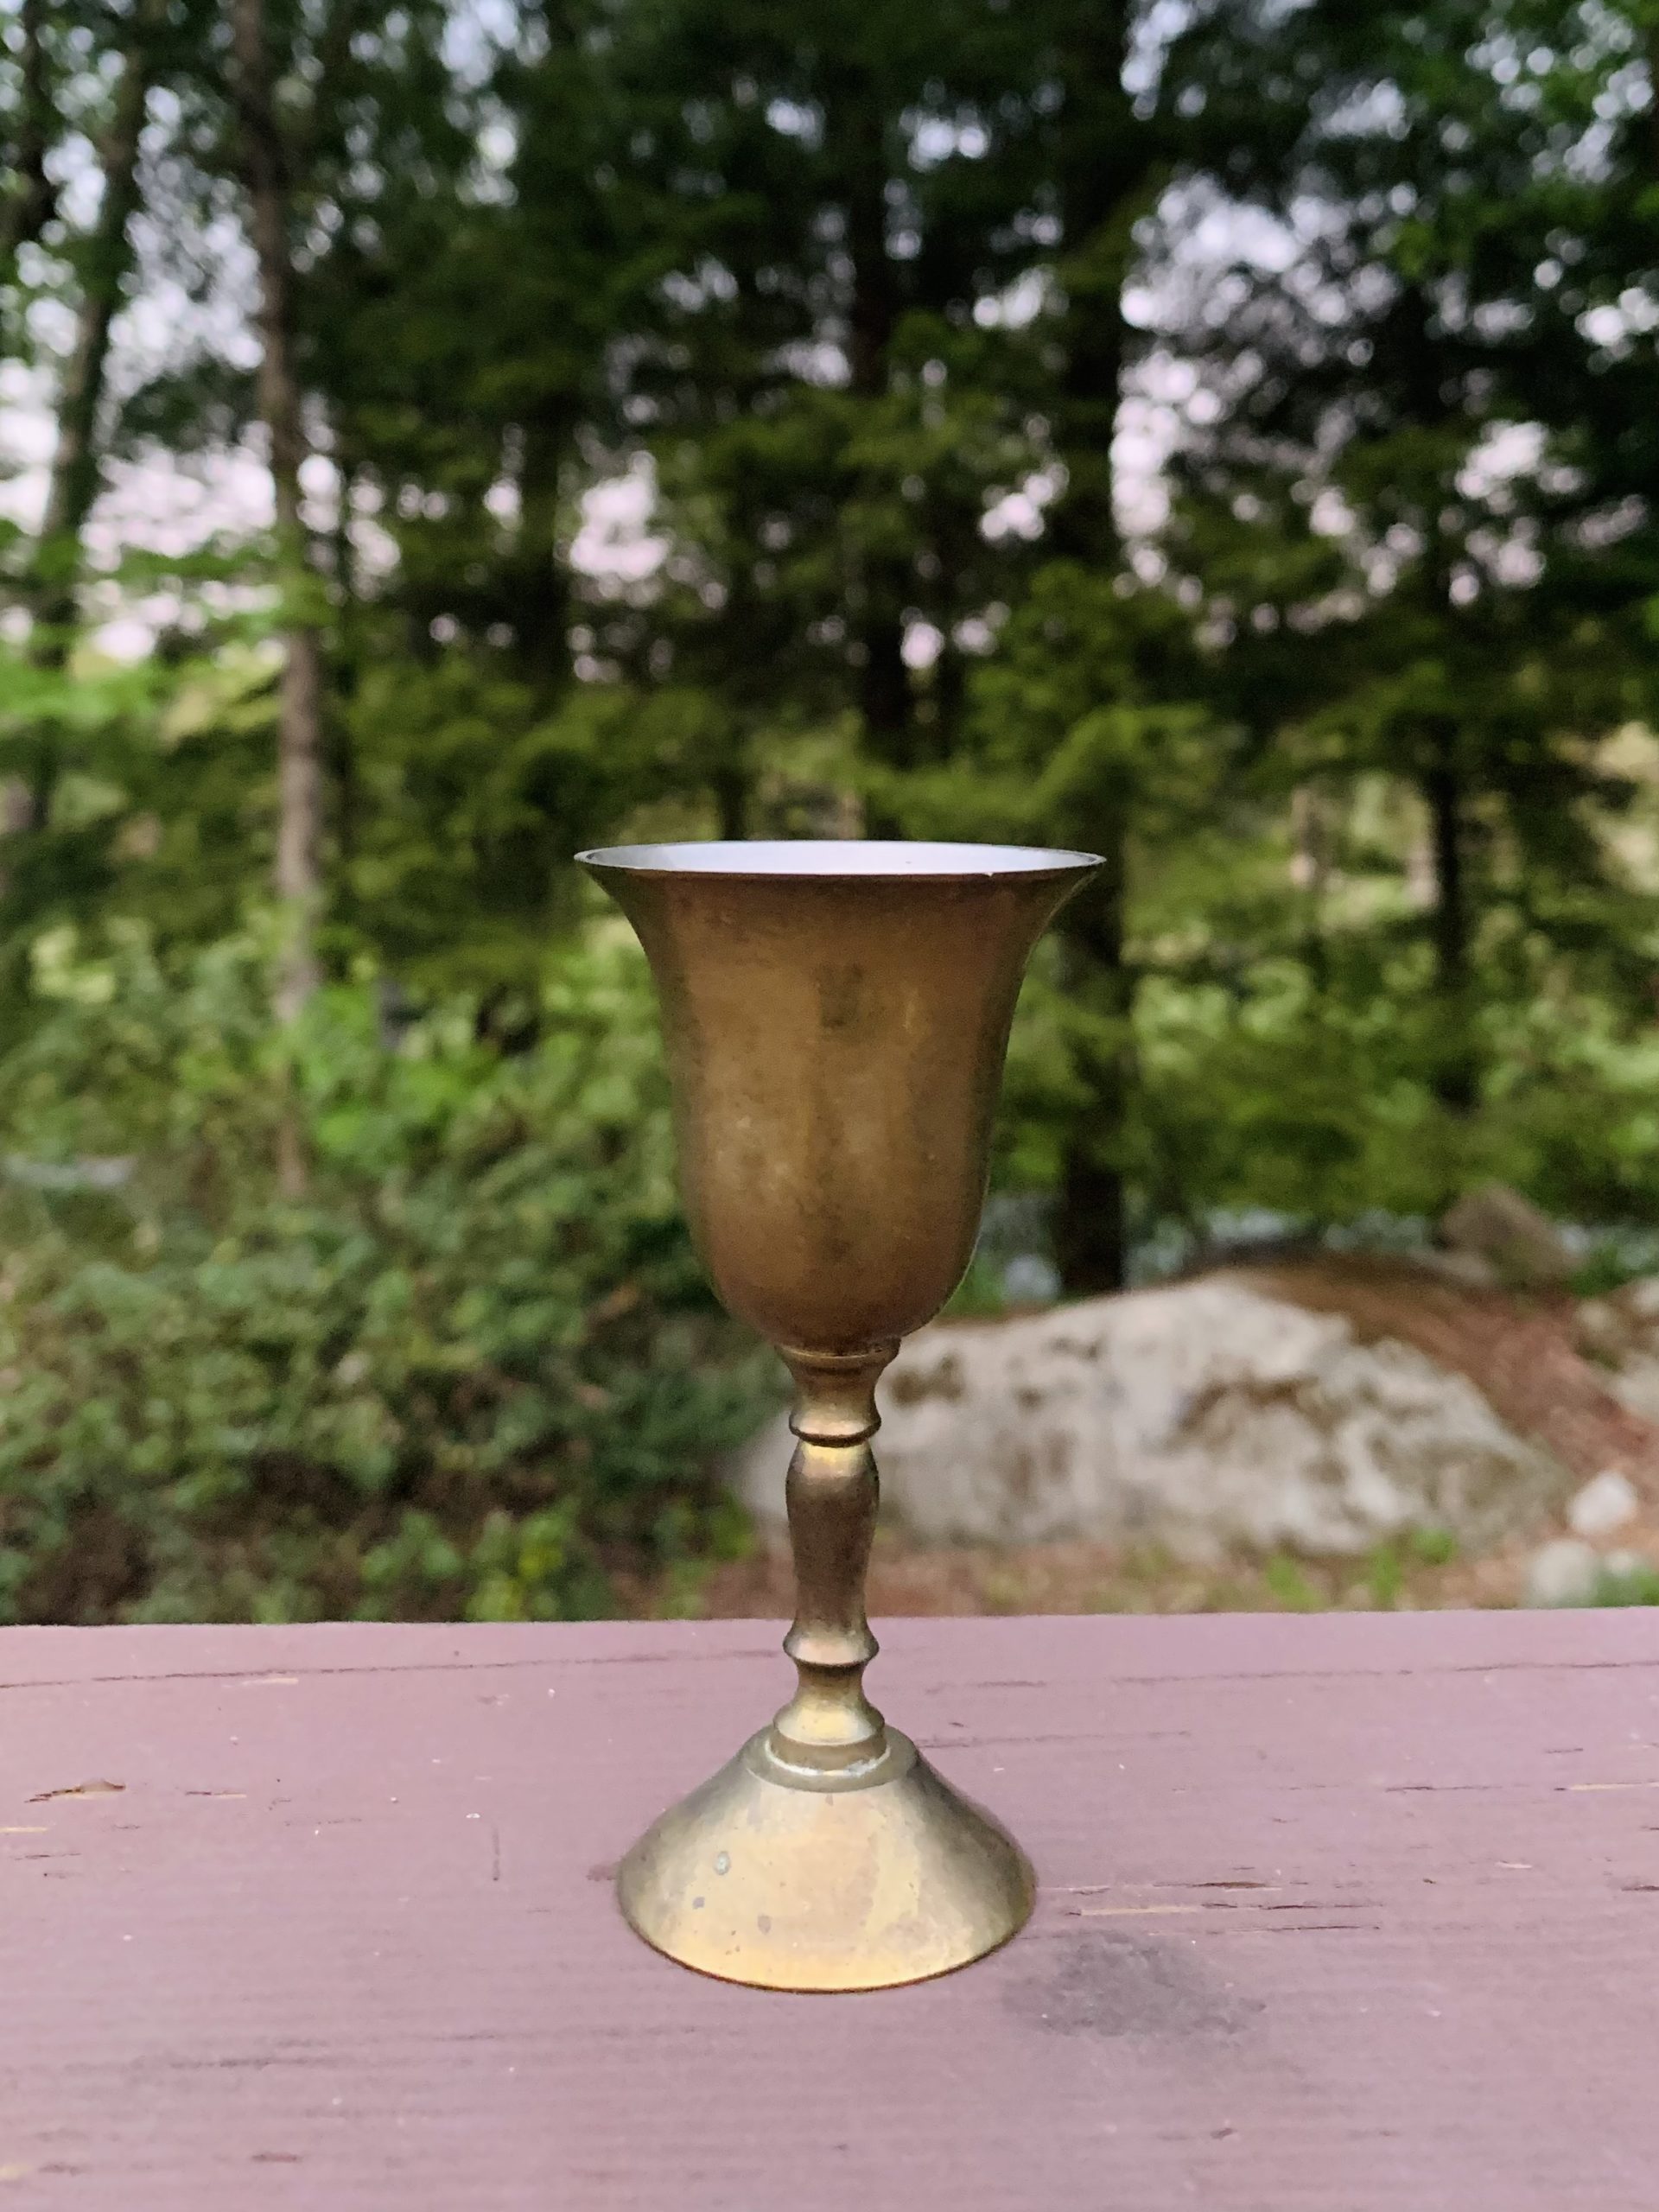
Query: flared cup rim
x: 844, y: 859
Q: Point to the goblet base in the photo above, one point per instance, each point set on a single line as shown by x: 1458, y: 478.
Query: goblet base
x: 848, y: 1881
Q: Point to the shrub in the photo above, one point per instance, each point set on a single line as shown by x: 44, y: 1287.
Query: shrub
x: 474, y: 1368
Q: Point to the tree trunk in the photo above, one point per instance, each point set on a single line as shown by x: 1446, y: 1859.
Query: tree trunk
x: 1455, y: 1075
x: 76, y: 471
x: 32, y: 198
x: 344, y: 794
x: 1100, y: 165
x: 1102, y: 174
x: 538, y: 601
x: 950, y: 702
x: 730, y: 786
x: 1091, y: 1232
x: 299, y: 738
x: 884, y: 680
x: 1310, y: 874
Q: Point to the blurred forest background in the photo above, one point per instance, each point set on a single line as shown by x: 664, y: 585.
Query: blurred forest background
x: 1221, y: 433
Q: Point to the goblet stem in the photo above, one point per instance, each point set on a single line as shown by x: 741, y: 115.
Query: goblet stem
x: 830, y: 1726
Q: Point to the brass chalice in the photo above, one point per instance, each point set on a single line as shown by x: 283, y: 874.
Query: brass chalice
x: 836, y: 1016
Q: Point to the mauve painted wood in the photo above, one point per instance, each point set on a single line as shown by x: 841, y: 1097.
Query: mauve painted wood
x: 1338, y: 1914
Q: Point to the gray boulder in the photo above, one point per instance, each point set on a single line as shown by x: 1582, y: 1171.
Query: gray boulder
x: 1201, y: 1415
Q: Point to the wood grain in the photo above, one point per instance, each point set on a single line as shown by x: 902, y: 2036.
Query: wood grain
x: 1338, y: 1914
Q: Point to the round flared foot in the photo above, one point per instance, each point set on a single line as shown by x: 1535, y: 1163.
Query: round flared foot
x: 761, y: 1881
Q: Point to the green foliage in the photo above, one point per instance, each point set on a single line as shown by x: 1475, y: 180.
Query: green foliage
x: 474, y: 1367
x: 1288, y: 1585
x: 1389, y: 1564
x: 867, y: 317
x: 1434, y: 1547
x: 1385, y: 1575
x: 1635, y: 1585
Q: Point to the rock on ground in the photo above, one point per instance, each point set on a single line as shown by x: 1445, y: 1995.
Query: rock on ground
x: 1199, y: 1416
x: 1621, y: 1332
x: 1497, y: 1225
x: 1565, y: 1573
x: 1607, y: 1502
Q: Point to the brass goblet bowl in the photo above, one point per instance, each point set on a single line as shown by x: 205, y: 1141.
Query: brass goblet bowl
x: 835, y: 1016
